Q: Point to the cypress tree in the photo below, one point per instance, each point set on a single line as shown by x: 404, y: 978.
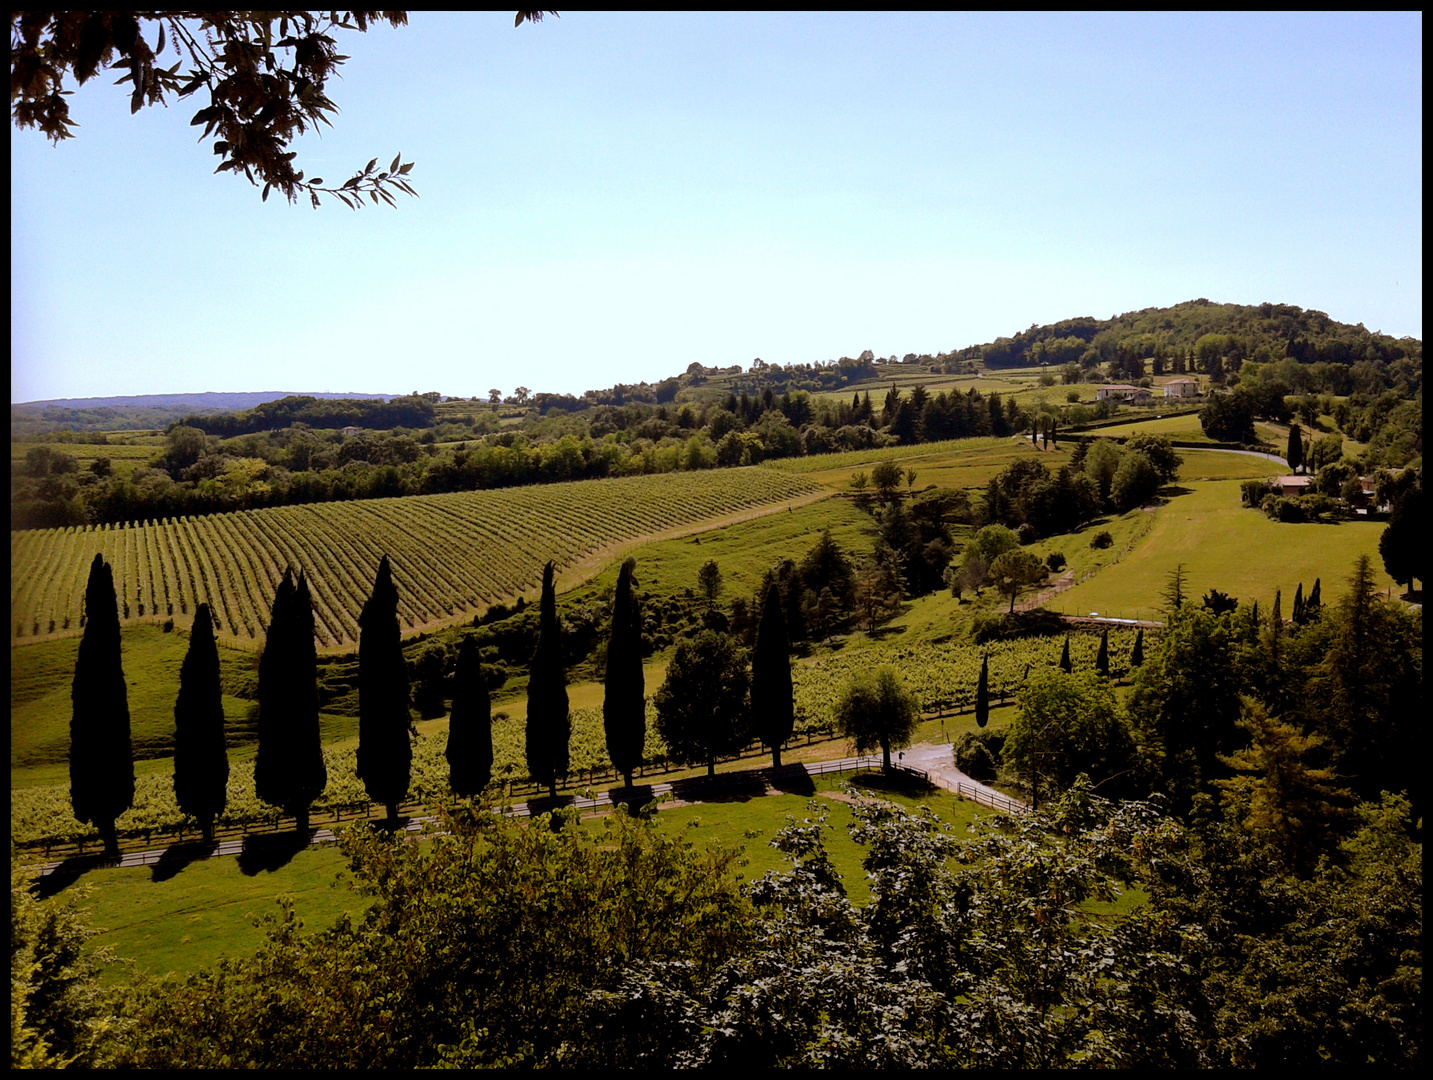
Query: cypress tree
x: 101, y: 764
x: 1294, y: 452
x: 201, y: 762
x: 624, y: 705
x: 1313, y: 603
x: 470, y: 726
x: 1299, y: 605
x: 1136, y: 655
x: 289, y: 771
x: 773, y: 710
x: 982, y: 693
x: 1102, y: 658
x: 385, y: 756
x: 549, y: 727
x: 1065, y: 664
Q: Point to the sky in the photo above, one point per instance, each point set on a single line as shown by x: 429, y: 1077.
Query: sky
x: 608, y: 198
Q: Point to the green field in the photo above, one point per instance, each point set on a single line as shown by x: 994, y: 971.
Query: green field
x: 182, y: 917
x: 1225, y: 546
x: 1183, y: 428
x: 123, y: 459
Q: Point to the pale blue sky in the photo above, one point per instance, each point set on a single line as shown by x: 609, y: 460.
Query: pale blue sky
x: 608, y: 198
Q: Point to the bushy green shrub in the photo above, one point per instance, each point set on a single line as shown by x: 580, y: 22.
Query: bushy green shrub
x: 1102, y: 539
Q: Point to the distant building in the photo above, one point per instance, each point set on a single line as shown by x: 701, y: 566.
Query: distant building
x: 1291, y: 487
x: 1118, y: 392
x: 1181, y: 388
x: 350, y: 430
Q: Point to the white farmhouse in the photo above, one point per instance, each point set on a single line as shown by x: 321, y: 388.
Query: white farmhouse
x: 1181, y: 388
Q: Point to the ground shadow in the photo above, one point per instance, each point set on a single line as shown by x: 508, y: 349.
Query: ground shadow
x: 880, y: 633
x: 267, y: 852
x: 897, y: 782
x: 703, y: 789
x: 176, y: 857
x: 70, y: 871
x: 547, y: 804
x: 1173, y: 491
x: 794, y: 783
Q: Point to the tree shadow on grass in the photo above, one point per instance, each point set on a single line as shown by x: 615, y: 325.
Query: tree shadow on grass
x: 795, y: 783
x: 176, y: 857
x: 267, y: 852
x: 68, y: 872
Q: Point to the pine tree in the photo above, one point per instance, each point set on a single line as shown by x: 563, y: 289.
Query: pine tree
x: 385, y: 755
x: 289, y: 770
x: 470, y: 726
x: 549, y: 727
x: 982, y: 693
x: 772, y: 705
x: 1136, y: 656
x: 624, y: 705
x: 201, y: 762
x: 101, y: 765
x: 1102, y: 658
x: 1065, y: 664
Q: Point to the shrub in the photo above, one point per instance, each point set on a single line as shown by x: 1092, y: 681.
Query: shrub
x: 977, y: 754
x: 1055, y: 561
x: 1286, y: 510
x: 1102, y: 539
x: 1254, y: 492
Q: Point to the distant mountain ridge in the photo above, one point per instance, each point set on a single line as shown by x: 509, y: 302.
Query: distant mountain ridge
x: 207, y: 400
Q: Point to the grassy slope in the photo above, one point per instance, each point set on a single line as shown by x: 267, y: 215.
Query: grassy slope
x: 1222, y: 545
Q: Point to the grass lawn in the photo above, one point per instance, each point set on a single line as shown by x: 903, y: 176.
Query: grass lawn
x: 1223, y: 545
x: 184, y: 918
x: 744, y: 551
x: 1183, y: 428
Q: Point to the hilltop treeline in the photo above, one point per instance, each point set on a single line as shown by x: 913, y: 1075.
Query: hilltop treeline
x: 1198, y: 329
x: 414, y: 410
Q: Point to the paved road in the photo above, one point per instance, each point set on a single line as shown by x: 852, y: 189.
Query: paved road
x: 937, y: 760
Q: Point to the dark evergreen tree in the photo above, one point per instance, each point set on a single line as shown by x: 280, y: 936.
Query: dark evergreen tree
x: 385, y: 754
x: 201, y: 762
x: 101, y: 765
x: 549, y: 727
x: 773, y: 709
x: 1299, y: 605
x: 1294, y: 452
x: 1314, y: 602
x: 982, y: 692
x: 1065, y: 664
x: 624, y: 704
x: 1102, y: 658
x: 289, y: 770
x: 1136, y: 655
x: 1401, y: 545
x: 470, y: 726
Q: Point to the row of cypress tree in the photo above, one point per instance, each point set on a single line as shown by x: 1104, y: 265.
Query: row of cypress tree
x: 289, y: 769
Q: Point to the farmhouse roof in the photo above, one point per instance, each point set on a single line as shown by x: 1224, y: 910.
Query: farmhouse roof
x: 1119, y: 386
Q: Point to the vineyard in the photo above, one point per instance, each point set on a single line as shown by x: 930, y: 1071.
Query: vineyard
x: 453, y: 555
x: 943, y: 677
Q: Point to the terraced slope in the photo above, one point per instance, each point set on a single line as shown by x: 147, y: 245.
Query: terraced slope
x: 453, y: 555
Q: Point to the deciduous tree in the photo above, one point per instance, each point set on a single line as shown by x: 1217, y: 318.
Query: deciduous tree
x: 877, y: 711
x: 101, y: 765
x: 702, y: 705
x: 385, y: 754
x: 201, y: 762
x: 1066, y: 725
x: 1014, y: 571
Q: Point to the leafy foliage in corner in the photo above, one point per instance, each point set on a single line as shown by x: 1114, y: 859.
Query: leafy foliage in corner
x: 265, y: 73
